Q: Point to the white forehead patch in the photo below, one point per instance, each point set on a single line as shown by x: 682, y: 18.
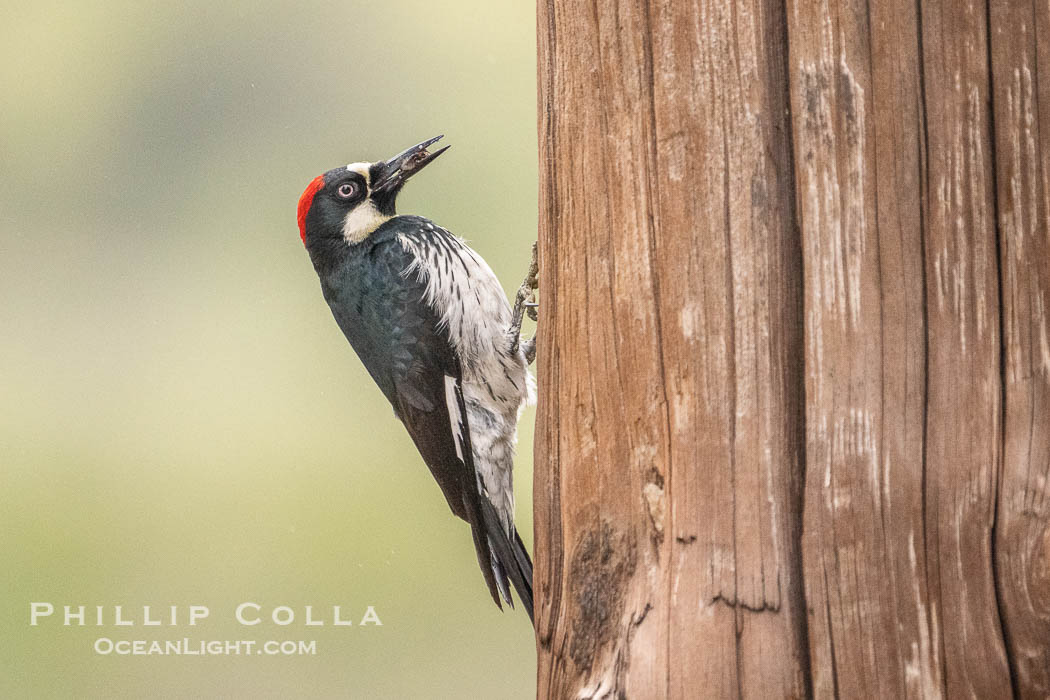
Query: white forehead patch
x: 361, y: 169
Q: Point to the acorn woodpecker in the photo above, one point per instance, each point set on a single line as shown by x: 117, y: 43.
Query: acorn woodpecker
x: 433, y: 327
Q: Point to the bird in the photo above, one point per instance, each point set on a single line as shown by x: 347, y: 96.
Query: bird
x: 433, y: 327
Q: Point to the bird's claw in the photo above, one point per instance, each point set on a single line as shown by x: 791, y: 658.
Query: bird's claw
x: 524, y: 304
x: 528, y: 347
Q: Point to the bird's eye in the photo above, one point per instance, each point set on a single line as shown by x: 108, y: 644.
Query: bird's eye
x: 347, y: 190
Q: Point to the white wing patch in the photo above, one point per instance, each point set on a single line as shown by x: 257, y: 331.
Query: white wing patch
x: 495, y: 382
x: 455, y: 417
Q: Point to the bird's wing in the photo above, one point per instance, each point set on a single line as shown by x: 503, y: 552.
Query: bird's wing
x: 424, y: 381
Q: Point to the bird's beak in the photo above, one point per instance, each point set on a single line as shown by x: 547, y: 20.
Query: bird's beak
x: 392, y: 173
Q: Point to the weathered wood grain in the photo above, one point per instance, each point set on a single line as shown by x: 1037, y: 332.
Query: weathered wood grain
x: 1020, y: 45
x: 963, y: 424
x: 669, y: 478
x: 794, y: 426
x: 858, y: 118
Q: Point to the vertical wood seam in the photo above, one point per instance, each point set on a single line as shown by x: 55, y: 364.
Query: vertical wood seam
x: 653, y: 195
x: 798, y: 497
x: 924, y: 164
x: 877, y: 229
x: 732, y: 398
x: 994, y: 544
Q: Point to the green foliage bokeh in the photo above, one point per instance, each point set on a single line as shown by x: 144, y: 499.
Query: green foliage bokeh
x: 182, y: 421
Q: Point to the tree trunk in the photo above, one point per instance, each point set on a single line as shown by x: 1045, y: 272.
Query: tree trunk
x: 794, y: 425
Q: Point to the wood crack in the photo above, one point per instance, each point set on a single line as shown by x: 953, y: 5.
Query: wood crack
x: 1001, y: 306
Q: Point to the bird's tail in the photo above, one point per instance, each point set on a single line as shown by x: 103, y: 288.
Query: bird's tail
x: 511, y: 564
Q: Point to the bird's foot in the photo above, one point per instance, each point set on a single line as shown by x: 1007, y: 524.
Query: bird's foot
x: 529, y: 348
x: 524, y: 303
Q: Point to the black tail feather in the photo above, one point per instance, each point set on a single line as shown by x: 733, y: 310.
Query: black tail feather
x: 482, y: 547
x: 499, y: 557
x: 524, y: 561
x: 510, y: 559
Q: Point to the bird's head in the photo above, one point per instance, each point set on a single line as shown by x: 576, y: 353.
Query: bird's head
x: 352, y: 201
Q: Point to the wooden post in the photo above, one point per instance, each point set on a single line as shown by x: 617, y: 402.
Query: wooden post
x: 794, y: 425
x: 1020, y: 46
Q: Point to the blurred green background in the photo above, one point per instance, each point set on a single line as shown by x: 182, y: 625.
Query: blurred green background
x: 182, y: 422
